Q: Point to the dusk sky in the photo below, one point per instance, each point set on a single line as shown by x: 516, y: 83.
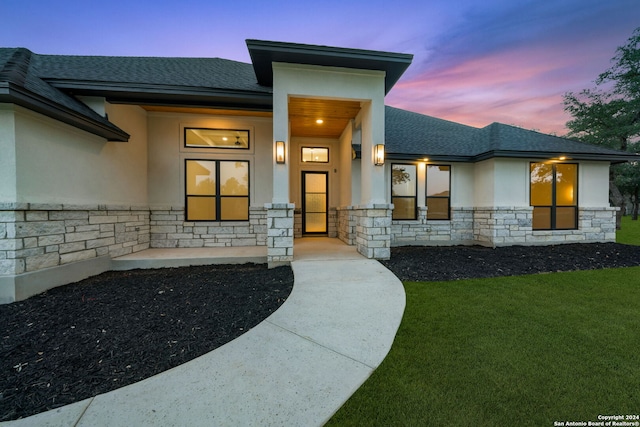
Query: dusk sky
x: 475, y: 62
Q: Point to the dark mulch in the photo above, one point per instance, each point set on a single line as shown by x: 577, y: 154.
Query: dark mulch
x: 80, y: 340
x: 467, y: 262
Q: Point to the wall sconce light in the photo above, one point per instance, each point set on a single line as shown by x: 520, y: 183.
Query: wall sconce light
x: 378, y: 154
x: 280, y: 153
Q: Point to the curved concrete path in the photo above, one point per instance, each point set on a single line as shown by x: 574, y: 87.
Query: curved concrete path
x: 296, y: 368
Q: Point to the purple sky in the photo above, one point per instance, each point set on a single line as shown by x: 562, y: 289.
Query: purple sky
x: 474, y: 62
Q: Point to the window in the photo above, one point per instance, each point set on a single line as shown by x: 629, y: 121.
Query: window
x: 217, y: 190
x: 315, y: 154
x: 438, y: 192
x: 403, y: 191
x: 216, y: 138
x: 554, y: 196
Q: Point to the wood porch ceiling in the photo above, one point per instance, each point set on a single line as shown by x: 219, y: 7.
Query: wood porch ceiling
x: 303, y: 113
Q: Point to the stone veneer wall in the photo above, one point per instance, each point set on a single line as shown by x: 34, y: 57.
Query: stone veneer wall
x: 279, y: 233
x: 594, y: 225
x: 38, y: 236
x: 346, y: 225
x: 456, y: 231
x: 502, y: 226
x: 373, y: 230
x: 505, y: 226
x: 168, y: 229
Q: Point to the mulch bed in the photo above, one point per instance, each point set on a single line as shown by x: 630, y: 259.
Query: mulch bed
x: 114, y: 329
x: 467, y: 262
x: 79, y: 340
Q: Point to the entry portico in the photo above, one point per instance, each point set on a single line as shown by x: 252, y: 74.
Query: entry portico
x: 333, y: 98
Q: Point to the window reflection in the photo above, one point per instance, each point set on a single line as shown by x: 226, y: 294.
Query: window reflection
x: 554, y: 196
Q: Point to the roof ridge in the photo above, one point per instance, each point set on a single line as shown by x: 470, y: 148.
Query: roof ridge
x: 16, y: 69
x: 53, y: 55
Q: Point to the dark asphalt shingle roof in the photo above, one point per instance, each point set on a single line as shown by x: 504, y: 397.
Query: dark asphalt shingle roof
x: 187, y: 72
x: 414, y: 136
x: 21, y: 83
x: 407, y: 132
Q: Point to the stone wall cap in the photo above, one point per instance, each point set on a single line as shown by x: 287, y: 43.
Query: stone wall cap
x: 375, y: 206
x: 13, y: 206
x: 279, y: 205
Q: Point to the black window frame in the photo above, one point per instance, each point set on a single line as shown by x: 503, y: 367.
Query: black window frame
x: 248, y: 147
x: 218, y: 196
x: 427, y: 197
x: 314, y: 148
x: 553, y: 207
x: 415, y: 196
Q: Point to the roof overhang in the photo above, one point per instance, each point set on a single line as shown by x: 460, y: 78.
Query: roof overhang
x: 166, y: 95
x: 264, y: 53
x: 14, y: 94
x: 599, y: 157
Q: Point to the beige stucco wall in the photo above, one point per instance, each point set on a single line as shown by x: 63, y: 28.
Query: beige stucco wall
x: 462, y: 185
x: 167, y: 154
x: 483, y: 183
x: 7, y: 154
x: 57, y: 163
x: 511, y: 182
x: 505, y: 182
x: 345, y: 166
x: 593, y: 184
x: 501, y: 182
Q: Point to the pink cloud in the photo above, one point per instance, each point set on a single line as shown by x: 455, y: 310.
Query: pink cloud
x: 522, y: 87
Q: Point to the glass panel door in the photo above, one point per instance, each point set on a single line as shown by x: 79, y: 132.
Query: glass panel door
x: 314, y: 202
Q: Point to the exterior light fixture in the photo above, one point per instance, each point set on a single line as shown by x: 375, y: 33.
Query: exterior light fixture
x: 562, y: 158
x: 378, y: 154
x: 280, y: 153
x: 319, y: 121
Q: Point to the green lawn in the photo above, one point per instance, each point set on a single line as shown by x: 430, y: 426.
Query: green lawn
x: 629, y: 232
x: 525, y: 351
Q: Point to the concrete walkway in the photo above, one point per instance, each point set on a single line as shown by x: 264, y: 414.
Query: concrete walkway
x: 296, y: 368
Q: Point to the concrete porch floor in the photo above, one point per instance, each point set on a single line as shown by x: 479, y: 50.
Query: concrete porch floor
x: 306, y: 248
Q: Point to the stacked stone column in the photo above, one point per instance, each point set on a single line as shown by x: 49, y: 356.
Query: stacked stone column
x: 280, y: 218
x: 373, y: 230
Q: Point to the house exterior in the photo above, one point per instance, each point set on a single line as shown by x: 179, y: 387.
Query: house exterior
x: 106, y: 156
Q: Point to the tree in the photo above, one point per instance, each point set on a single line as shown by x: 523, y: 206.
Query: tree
x: 609, y: 115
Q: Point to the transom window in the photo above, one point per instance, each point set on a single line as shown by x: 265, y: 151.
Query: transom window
x: 217, y: 190
x: 554, y: 196
x: 403, y: 191
x: 438, y: 195
x: 315, y: 154
x: 216, y: 138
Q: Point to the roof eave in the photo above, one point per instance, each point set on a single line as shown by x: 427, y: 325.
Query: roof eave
x: 264, y: 53
x: 431, y: 158
x: 12, y: 94
x: 151, y: 94
x: 602, y: 157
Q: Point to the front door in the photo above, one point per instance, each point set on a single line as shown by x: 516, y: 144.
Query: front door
x: 314, y: 202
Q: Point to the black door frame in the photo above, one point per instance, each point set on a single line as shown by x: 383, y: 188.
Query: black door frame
x: 304, y: 207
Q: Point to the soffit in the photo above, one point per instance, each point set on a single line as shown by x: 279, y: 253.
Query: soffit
x: 335, y: 114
